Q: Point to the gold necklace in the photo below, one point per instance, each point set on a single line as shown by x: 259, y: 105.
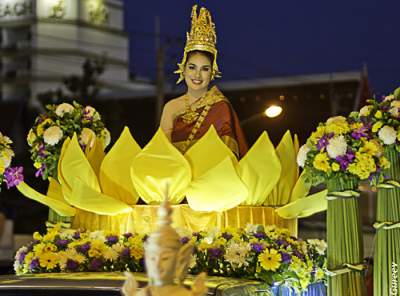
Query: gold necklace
x: 190, y: 114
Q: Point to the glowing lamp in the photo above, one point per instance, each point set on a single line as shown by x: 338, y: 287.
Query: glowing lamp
x: 273, y: 111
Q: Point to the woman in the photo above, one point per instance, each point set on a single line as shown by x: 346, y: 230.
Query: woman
x: 187, y: 118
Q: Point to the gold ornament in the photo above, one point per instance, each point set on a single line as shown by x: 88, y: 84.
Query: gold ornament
x: 202, y: 37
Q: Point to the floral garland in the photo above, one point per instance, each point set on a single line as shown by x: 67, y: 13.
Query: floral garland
x: 269, y: 254
x: 342, y: 148
x: 11, y: 175
x: 59, y: 122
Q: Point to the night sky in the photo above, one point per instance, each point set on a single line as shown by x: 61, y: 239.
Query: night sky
x: 276, y: 38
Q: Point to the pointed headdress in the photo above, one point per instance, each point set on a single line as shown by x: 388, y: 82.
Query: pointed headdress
x: 202, y: 37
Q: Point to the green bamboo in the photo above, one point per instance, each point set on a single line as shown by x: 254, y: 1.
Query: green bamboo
x: 345, y: 243
x: 387, y: 248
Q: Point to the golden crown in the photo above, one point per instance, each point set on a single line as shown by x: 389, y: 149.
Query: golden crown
x: 202, y: 37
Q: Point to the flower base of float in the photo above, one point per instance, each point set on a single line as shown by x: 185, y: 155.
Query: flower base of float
x: 265, y: 259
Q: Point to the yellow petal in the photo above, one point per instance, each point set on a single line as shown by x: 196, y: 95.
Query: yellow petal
x: 88, y: 199
x: 301, y: 188
x: 75, y: 167
x: 207, y: 152
x: 59, y: 206
x: 287, y: 156
x: 95, y: 155
x: 305, y: 207
x: 115, y: 169
x: 218, y: 189
x: 160, y: 162
x: 260, y: 170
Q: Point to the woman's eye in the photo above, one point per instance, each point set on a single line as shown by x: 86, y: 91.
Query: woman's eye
x: 191, y: 67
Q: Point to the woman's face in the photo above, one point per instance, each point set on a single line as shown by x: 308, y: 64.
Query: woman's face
x: 198, y: 72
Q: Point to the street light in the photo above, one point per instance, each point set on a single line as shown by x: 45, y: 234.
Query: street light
x: 273, y: 111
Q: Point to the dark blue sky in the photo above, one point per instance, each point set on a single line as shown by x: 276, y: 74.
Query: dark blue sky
x: 278, y: 38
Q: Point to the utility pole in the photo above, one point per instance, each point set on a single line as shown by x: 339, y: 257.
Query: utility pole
x: 160, y: 80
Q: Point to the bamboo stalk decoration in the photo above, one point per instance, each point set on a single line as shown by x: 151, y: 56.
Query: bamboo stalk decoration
x: 387, y: 248
x: 344, y: 235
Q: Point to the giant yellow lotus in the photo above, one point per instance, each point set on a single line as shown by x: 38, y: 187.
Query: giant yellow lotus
x: 208, y: 175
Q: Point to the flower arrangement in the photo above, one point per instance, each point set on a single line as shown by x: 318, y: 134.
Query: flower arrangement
x: 383, y: 119
x: 11, y: 175
x: 269, y: 254
x: 59, y: 122
x: 342, y: 148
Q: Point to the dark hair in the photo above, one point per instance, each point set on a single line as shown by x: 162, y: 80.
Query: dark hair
x: 207, y: 54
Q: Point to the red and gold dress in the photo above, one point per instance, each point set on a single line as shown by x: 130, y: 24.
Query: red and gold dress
x: 212, y: 109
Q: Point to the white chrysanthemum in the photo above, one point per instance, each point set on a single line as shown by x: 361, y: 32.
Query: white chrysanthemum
x: 320, y: 245
x: 395, y: 103
x: 193, y: 260
x: 211, y: 235
x: 64, y: 108
x: 236, y: 254
x: 387, y: 134
x: 366, y: 110
x: 251, y: 228
x: 97, y: 235
x: 337, y: 146
x: 118, y: 247
x: 105, y: 137
x: 5, y: 156
x: 87, y: 137
x: 53, y: 135
x: 90, y: 112
x: 389, y: 98
x: 5, y: 140
x: 302, y: 155
x: 394, y: 111
x: 110, y: 254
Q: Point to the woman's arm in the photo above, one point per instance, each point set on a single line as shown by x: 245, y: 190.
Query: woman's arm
x: 166, y: 122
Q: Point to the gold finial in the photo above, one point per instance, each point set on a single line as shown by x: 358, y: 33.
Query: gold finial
x: 202, y: 37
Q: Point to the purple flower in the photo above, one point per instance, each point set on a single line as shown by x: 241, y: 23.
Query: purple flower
x: 71, y: 264
x: 324, y: 141
x: 184, y: 240
x: 128, y: 235
x: 214, y: 253
x: 96, y: 264
x: 34, y: 264
x: 13, y: 176
x: 227, y: 235
x: 126, y: 253
x: 77, y: 235
x: 112, y: 239
x: 258, y: 247
x: 21, y: 257
x: 298, y: 254
x: 40, y: 171
x: 286, y: 258
x: 62, y: 243
x: 345, y: 160
x: 260, y: 235
x: 83, y: 248
x: 360, y: 133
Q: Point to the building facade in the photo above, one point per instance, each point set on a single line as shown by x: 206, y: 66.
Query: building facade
x: 43, y: 41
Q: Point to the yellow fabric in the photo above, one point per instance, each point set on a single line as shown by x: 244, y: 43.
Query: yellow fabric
x: 304, y: 207
x: 116, y: 168
x: 58, y: 205
x: 160, y: 162
x: 301, y: 188
x: 260, y: 170
x: 75, y: 167
x: 218, y: 189
x: 207, y: 152
x: 86, y: 198
x: 143, y: 219
x: 281, y: 195
x: 95, y: 155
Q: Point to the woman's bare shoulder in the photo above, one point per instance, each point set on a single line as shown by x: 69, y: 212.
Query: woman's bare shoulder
x: 175, y: 104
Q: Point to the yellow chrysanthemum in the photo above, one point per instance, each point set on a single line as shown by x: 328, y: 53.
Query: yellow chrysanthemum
x: 376, y: 127
x: 270, y: 259
x: 94, y: 253
x: 363, y: 166
x: 31, y: 137
x: 384, y: 162
x: 48, y: 260
x: 335, y: 167
x: 137, y: 253
x: 337, y: 125
x: 315, y: 136
x: 50, y: 236
x: 321, y: 162
x: 372, y: 148
x: 4, y: 140
x: 378, y: 114
x: 319, y: 274
x: 41, y: 127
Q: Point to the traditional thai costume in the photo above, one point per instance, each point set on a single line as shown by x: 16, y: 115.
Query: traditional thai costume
x: 213, y: 108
